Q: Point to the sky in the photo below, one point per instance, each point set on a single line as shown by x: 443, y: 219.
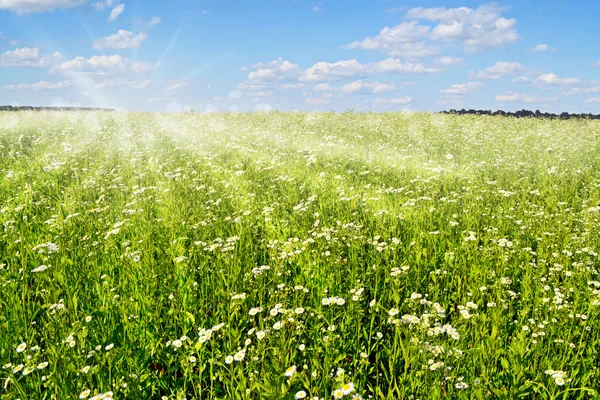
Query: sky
x: 329, y: 55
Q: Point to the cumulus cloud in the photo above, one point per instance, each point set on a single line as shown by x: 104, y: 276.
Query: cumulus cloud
x: 101, y: 5
x: 40, y: 86
x: 393, y: 101
x: 448, y: 61
x: 31, y: 6
x: 554, y: 79
x: 115, y: 12
x: 542, y: 47
x: 324, y: 71
x: 174, y: 86
x: 498, y: 70
x: 512, y: 97
x: 104, y: 65
x: 477, y: 29
x: 28, y: 57
x: 403, y: 40
x: 287, y: 86
x: 277, y: 69
x: 121, y: 40
x: 462, y: 88
x: 370, y: 87
x: 548, y: 79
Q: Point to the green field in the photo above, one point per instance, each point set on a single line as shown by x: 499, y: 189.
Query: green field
x: 276, y: 255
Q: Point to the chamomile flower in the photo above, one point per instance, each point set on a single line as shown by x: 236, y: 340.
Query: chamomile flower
x: 290, y: 371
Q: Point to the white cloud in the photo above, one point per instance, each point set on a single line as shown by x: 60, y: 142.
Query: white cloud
x: 28, y: 57
x: 478, y: 29
x: 329, y: 71
x: 104, y: 65
x: 121, y: 40
x: 115, y: 12
x: 383, y: 88
x: 542, y: 47
x: 43, y: 85
x: 174, y: 86
x: 29, y: 6
x: 553, y: 79
x: 448, y: 61
x: 287, y: 86
x: 101, y: 5
x: 393, y: 101
x: 403, y: 40
x: 462, y: 88
x: 512, y: 97
x: 594, y: 89
x: 154, y: 21
x: 323, y: 87
x: 498, y: 70
x: 324, y: 71
x: 593, y: 100
x: 372, y: 87
x: 142, y: 85
x: 595, y: 64
x: 274, y: 70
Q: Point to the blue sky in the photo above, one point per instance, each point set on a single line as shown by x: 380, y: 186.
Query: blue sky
x: 301, y: 55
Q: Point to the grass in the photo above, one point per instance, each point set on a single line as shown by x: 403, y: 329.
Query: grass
x: 238, y: 256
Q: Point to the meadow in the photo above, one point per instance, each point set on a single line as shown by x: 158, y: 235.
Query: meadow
x: 298, y: 255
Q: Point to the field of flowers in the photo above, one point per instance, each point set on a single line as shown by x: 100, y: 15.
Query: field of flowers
x: 292, y: 255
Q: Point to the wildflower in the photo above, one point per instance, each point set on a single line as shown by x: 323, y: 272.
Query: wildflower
x: 192, y: 359
x: 21, y: 348
x: 260, y: 335
x: 27, y: 371
x: 300, y: 395
x: 85, y: 369
x: 84, y: 394
x: 348, y: 388
x: 177, y: 343
x: 239, y: 356
x: 42, y: 365
x: 290, y: 371
x: 110, y: 346
x: 393, y: 312
x: 338, y: 394
x: 228, y: 359
x: 559, y: 380
x: 40, y: 268
x: 299, y: 310
x: 88, y: 318
x: 255, y: 310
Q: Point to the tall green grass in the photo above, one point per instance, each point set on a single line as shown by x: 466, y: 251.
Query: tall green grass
x: 237, y: 256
